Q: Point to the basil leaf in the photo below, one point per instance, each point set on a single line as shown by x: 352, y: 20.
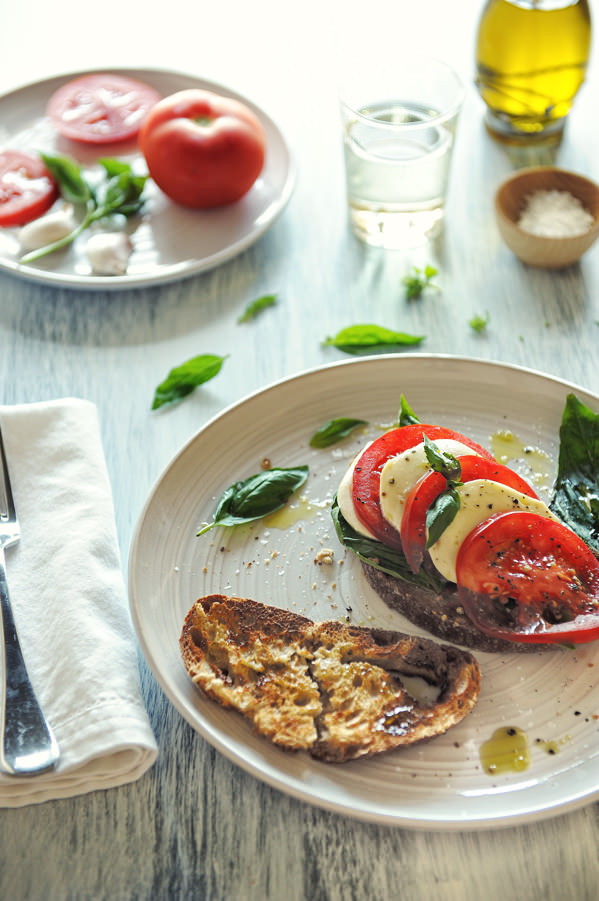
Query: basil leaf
x: 67, y: 173
x: 575, y: 497
x: 334, y: 430
x: 257, y: 496
x: 358, y: 339
x: 441, y: 513
x: 406, y: 414
x: 441, y: 461
x: 122, y: 194
x: 113, y: 166
x: 184, y: 379
x: 254, y: 308
x: 387, y: 559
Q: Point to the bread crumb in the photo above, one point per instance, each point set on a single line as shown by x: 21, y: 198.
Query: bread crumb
x: 326, y: 556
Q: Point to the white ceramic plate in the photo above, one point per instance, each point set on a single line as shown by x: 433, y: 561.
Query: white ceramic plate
x: 553, y: 697
x: 170, y: 242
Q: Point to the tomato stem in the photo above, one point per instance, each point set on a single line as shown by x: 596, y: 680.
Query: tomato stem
x: 204, y: 121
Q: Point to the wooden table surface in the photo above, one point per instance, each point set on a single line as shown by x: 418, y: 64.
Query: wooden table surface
x: 196, y: 825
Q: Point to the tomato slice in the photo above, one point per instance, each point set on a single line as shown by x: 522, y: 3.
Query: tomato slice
x: 101, y: 108
x: 367, y: 472
x: 526, y: 578
x: 27, y: 189
x: 413, y: 524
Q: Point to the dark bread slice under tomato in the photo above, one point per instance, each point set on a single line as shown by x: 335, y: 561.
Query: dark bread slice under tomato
x: 441, y: 614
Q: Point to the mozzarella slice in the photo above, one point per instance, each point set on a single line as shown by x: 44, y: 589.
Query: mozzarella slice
x: 47, y: 229
x: 345, y: 500
x: 400, y: 474
x: 108, y: 253
x: 479, y: 499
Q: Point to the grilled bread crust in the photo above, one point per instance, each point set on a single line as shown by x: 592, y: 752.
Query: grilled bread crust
x: 337, y: 691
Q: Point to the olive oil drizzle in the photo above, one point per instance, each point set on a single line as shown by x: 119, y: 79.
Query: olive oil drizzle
x: 507, y: 751
x: 295, y: 510
x: 506, y: 448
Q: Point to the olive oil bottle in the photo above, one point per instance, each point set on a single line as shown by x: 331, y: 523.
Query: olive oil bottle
x: 531, y: 59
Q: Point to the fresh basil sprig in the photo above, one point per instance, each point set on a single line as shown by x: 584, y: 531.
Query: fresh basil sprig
x: 184, y: 379
x: 119, y: 192
x: 363, y: 339
x: 255, y: 307
x: 417, y: 281
x: 575, y: 498
x: 257, y: 496
x: 479, y: 323
x: 335, y: 430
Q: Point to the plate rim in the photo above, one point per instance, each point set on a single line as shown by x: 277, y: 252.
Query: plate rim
x: 536, y: 813
x: 183, y: 269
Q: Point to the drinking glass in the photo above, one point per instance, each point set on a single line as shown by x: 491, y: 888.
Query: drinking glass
x: 399, y: 128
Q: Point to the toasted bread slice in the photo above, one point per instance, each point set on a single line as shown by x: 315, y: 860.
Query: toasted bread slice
x: 337, y: 691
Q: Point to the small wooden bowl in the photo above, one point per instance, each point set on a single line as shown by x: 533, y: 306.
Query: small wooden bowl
x: 544, y: 252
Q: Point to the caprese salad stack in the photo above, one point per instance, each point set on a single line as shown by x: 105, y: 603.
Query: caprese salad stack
x: 431, y: 513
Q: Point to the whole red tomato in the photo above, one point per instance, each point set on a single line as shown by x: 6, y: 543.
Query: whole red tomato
x: 203, y: 150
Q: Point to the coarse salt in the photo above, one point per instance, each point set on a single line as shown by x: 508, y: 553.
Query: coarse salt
x: 554, y: 214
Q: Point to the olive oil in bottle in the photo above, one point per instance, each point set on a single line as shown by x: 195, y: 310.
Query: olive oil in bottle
x: 531, y: 59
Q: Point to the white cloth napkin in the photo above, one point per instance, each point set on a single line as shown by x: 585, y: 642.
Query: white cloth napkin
x: 70, y: 603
